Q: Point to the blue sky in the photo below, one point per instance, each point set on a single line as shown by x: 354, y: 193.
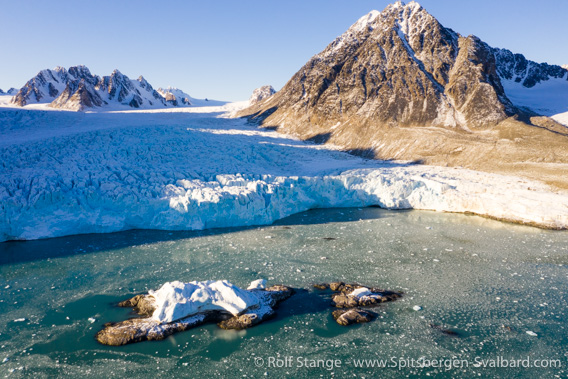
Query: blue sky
x: 224, y: 49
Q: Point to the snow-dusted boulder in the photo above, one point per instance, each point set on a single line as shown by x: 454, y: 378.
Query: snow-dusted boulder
x: 356, y: 295
x: 261, y: 93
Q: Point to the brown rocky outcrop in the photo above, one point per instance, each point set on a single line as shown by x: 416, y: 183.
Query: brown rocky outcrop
x: 348, y: 317
x: 147, y: 329
x: 399, y: 85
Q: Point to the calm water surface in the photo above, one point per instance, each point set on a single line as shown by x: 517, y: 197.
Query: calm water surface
x: 489, y: 282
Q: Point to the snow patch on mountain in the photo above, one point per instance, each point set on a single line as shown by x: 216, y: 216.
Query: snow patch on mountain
x: 547, y: 98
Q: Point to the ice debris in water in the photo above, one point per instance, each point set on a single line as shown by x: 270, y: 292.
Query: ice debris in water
x: 417, y: 307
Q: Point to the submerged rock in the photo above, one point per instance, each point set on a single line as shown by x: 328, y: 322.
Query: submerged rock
x: 347, y: 317
x: 321, y: 286
x: 180, y: 306
x: 445, y: 331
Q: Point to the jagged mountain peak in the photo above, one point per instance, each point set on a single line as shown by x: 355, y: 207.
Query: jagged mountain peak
x: 400, y: 68
x: 77, y: 88
x: 79, y: 71
x: 175, y: 96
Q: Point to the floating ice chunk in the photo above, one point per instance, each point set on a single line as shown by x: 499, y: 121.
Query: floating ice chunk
x: 259, y: 284
x: 177, y: 300
x: 531, y: 333
x: 417, y: 307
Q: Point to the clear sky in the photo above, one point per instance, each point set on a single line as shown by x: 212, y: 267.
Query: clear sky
x: 224, y: 49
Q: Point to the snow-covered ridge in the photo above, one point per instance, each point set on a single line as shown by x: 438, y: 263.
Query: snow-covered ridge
x: 77, y: 89
x: 538, y: 87
x: 75, y: 173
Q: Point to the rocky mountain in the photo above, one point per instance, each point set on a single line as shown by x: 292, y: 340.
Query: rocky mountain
x: 175, y: 96
x: 77, y: 89
x: 399, y: 85
x: 261, y: 93
x: 11, y: 91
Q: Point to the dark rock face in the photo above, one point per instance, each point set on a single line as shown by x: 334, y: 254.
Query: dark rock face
x: 146, y: 329
x: 376, y: 87
x: 43, y: 85
x: 516, y: 67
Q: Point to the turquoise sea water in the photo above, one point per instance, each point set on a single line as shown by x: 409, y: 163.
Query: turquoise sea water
x: 489, y: 282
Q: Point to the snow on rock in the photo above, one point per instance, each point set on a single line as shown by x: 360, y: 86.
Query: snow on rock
x: 261, y: 93
x: 176, y: 300
x: 259, y: 284
x: 69, y: 173
x: 361, y: 292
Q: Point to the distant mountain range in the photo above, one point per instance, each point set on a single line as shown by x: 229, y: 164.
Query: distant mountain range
x: 11, y: 91
x: 399, y: 85
x: 77, y: 89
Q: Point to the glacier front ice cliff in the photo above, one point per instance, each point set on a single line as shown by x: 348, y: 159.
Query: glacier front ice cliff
x: 65, y: 173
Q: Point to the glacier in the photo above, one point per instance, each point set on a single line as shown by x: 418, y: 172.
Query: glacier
x: 66, y: 173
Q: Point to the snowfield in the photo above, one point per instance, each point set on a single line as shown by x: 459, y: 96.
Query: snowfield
x: 67, y: 173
